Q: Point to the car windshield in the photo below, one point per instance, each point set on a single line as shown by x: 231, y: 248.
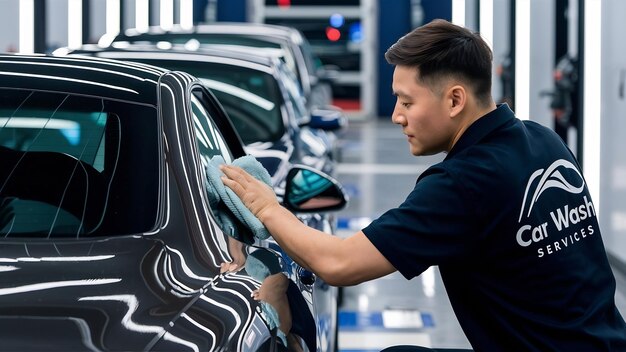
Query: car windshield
x: 76, y: 166
x: 250, y: 97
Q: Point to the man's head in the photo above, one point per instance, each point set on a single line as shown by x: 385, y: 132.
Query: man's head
x: 442, y: 51
x: 443, y: 83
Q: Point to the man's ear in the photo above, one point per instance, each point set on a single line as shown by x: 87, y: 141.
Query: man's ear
x: 457, y: 96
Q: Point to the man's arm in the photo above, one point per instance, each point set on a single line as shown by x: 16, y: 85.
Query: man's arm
x: 339, y: 262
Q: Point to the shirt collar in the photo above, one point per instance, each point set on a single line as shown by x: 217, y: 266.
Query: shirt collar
x: 482, y: 127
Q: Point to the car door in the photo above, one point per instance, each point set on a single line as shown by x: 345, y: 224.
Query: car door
x: 212, y: 127
x: 80, y: 185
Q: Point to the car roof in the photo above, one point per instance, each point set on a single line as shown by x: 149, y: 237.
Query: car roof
x: 236, y: 28
x: 258, y: 60
x: 129, y: 81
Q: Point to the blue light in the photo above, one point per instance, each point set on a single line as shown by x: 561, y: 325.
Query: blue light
x: 355, y: 34
x: 336, y: 20
x: 71, y: 134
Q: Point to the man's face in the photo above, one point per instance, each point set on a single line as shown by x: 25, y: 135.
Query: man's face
x: 423, y: 114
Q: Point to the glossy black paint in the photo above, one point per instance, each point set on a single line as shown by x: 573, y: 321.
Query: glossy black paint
x: 305, y: 140
x: 157, y: 290
x: 298, y: 145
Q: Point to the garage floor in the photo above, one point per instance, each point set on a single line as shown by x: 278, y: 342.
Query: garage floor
x: 377, y: 171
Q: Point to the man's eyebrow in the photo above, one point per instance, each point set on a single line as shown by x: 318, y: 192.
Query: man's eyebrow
x: 400, y: 94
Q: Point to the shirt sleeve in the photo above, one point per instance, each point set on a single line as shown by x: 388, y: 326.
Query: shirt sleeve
x: 433, y: 226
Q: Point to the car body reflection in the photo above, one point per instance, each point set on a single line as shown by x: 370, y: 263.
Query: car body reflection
x: 264, y: 102
x: 107, y: 241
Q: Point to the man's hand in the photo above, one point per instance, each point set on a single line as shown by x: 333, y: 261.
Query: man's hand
x: 338, y: 261
x: 256, y: 195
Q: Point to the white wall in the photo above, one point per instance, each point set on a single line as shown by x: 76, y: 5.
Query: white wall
x: 56, y: 23
x: 613, y: 143
x: 9, y: 15
x: 57, y: 18
x: 129, y: 14
x: 542, y: 41
x: 541, y: 53
x: 471, y: 14
x: 501, y: 45
x: 98, y: 20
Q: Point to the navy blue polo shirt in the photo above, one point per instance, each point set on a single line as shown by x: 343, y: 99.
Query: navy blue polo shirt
x: 508, y: 219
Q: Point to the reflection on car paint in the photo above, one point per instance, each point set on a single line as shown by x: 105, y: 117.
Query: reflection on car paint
x: 156, y: 288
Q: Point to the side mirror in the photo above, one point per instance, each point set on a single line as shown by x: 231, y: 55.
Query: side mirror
x: 309, y: 190
x: 328, y: 118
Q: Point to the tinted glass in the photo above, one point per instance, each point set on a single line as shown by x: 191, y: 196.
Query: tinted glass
x: 76, y: 166
x: 251, y: 98
x: 245, y: 40
x: 260, y: 41
x: 294, y: 93
x: 209, y: 140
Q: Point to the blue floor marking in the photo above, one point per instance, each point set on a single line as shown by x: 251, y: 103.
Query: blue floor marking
x: 428, y: 320
x: 360, y: 320
x: 343, y: 223
x: 353, y: 223
x: 351, y: 320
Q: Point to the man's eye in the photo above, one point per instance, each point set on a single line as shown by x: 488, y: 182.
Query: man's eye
x: 406, y: 105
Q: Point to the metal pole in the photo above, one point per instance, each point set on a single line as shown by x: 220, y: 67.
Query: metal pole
x: 512, y: 51
x: 123, y: 15
x: 581, y: 82
x: 40, y: 44
x: 86, y: 21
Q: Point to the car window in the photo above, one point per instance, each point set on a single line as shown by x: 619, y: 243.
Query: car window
x: 313, y: 63
x: 76, y: 166
x: 289, y: 56
x: 252, y: 101
x: 251, y: 98
x: 209, y: 140
x: 194, y: 40
x: 294, y: 94
x: 250, y: 40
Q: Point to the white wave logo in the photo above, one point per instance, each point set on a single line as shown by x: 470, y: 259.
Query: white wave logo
x: 551, y: 178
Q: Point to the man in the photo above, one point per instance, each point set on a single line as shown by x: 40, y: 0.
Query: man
x: 506, y: 216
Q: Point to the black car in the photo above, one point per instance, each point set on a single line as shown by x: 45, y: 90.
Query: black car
x: 315, y: 79
x: 107, y: 238
x: 262, y: 99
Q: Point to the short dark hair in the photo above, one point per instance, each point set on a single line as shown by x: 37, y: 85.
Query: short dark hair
x: 441, y: 49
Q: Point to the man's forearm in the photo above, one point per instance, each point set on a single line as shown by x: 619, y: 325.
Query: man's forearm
x: 313, y: 249
x: 337, y: 261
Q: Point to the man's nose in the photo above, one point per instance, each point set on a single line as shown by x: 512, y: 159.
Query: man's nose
x: 397, y: 118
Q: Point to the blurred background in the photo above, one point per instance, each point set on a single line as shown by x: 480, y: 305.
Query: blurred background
x: 558, y: 62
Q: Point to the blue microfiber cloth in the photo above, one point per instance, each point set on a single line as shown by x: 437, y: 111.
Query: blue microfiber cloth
x: 231, y: 214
